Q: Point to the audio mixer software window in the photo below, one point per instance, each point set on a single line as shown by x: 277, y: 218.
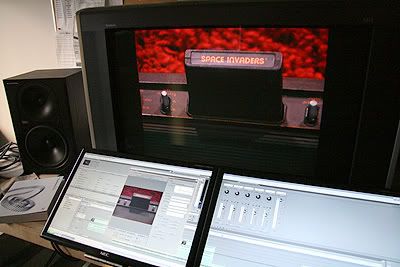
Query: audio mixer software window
x: 132, y: 208
x: 259, y: 222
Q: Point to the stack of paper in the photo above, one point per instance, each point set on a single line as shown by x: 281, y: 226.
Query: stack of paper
x: 29, y: 200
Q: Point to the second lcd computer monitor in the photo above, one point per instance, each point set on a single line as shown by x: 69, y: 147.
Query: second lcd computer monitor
x: 129, y: 211
x: 259, y: 222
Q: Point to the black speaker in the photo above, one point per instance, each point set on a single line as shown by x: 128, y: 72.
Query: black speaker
x: 50, y: 120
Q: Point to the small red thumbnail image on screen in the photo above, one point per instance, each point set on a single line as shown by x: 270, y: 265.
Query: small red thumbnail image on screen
x: 304, y: 49
x: 128, y: 191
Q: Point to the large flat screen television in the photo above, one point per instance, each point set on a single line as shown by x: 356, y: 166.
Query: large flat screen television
x: 307, y: 90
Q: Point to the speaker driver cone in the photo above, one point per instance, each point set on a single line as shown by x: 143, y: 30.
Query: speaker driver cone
x: 46, y: 146
x: 37, y: 102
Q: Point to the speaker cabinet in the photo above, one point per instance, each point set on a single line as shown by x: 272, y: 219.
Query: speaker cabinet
x: 50, y: 120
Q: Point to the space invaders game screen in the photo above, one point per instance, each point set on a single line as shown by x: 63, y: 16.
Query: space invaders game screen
x: 253, y: 84
x: 304, y: 50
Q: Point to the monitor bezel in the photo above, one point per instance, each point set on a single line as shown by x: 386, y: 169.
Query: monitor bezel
x: 200, y: 233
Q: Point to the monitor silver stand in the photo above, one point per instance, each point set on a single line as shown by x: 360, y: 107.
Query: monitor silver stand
x: 102, y: 260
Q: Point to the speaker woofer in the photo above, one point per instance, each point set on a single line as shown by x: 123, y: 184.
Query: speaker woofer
x: 37, y: 102
x: 46, y: 146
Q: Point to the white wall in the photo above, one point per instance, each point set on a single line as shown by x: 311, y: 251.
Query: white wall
x: 27, y: 42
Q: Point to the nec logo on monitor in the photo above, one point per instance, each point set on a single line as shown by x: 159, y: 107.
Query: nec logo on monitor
x: 105, y: 254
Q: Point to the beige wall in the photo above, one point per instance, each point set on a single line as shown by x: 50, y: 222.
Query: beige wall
x: 27, y: 42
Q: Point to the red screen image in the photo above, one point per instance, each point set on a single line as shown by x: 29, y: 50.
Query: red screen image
x: 128, y: 191
x: 304, y: 49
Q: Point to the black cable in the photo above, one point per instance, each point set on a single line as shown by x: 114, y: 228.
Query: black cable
x: 54, y: 247
x: 14, y: 148
x: 48, y: 263
x: 9, y: 155
x: 58, y: 250
x: 62, y: 253
x: 3, y: 146
x: 10, y: 146
x: 4, y: 149
x: 14, y: 161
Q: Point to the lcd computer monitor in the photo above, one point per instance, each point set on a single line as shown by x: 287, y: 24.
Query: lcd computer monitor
x: 128, y: 210
x: 260, y: 222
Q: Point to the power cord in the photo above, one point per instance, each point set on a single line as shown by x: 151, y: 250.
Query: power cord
x: 50, y: 260
x: 58, y: 249
x: 9, y: 157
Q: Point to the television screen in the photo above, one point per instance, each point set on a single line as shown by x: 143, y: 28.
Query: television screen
x: 304, y: 50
